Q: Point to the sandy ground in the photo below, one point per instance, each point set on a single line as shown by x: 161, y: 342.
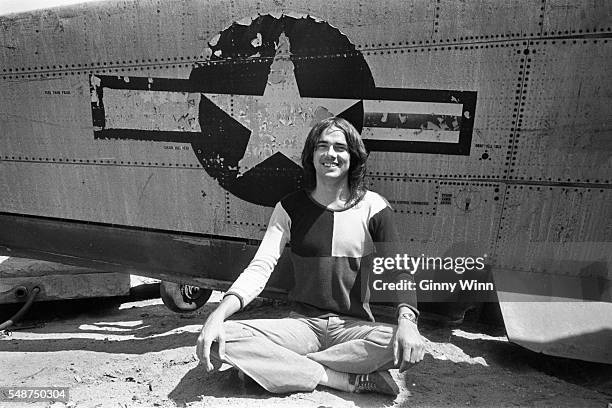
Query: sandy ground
x: 134, y: 352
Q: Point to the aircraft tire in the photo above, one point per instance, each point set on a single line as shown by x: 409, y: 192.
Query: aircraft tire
x: 183, y: 298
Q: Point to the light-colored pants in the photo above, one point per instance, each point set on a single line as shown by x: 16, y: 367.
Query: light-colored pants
x: 289, y: 354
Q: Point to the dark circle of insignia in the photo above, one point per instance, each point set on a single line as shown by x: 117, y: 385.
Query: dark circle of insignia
x: 326, y: 65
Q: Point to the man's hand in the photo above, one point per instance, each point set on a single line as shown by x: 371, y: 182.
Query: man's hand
x: 211, y: 331
x: 408, y: 345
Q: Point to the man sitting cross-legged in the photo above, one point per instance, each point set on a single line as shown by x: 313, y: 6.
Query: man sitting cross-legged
x: 330, y: 338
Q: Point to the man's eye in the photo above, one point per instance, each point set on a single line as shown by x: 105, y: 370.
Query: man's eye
x: 340, y: 148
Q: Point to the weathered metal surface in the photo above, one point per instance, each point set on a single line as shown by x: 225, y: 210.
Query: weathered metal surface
x: 554, y: 326
x: 490, y: 69
x: 488, y: 124
x: 156, y: 197
x: 57, y: 281
x: 558, y: 230
x: 565, y: 133
x: 186, y: 258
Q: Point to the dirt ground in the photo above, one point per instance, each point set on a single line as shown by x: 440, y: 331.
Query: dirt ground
x: 134, y: 352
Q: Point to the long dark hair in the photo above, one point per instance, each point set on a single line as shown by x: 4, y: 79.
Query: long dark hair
x: 357, y: 151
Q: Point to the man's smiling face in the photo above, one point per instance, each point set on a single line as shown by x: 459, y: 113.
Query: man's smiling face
x: 331, y: 157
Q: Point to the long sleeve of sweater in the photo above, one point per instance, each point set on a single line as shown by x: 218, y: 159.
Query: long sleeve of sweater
x: 253, y: 279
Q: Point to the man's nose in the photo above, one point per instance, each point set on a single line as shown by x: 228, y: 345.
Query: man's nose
x: 331, y: 152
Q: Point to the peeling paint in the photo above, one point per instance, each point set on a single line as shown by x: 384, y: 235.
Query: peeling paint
x: 214, y: 41
x: 256, y: 42
x: 246, y: 21
x: 160, y: 110
x: 276, y: 14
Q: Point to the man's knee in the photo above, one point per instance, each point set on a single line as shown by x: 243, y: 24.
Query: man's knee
x: 234, y: 331
x: 232, y: 328
x: 382, y: 335
x: 382, y: 359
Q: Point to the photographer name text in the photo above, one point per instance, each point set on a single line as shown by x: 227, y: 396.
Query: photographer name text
x: 430, y: 285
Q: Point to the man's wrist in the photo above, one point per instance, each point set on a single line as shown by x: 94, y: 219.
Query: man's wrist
x: 230, y: 304
x: 406, y: 314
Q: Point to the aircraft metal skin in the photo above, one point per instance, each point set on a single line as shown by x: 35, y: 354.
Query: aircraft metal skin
x: 134, y: 131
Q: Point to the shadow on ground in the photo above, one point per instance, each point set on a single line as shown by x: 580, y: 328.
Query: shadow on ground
x: 462, y: 357
x: 197, y: 384
x: 103, y: 317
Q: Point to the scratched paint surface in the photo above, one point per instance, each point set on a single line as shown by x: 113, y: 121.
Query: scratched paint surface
x: 539, y: 221
x: 173, y: 111
x: 279, y: 120
x: 537, y: 170
x: 566, y: 133
x: 276, y: 116
x: 267, y: 118
x: 261, y: 108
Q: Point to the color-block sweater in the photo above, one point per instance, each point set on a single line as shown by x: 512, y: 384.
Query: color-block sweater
x: 331, y: 252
